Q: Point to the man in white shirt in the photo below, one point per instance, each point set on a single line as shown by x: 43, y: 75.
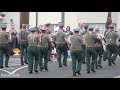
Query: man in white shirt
x: 56, y: 29
x: 81, y: 27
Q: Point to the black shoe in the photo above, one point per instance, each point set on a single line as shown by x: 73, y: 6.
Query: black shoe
x: 65, y: 64
x: 36, y: 71
x: 96, y: 67
x: 109, y: 64
x: 1, y: 67
x: 74, y: 74
x: 104, y: 59
x: 93, y: 70
x: 78, y: 72
x: 50, y: 60
x: 60, y: 65
x: 100, y: 66
x: 22, y: 64
x: 84, y: 62
x: 88, y: 71
x: 46, y: 68
x: 113, y: 63
x: 30, y: 72
x: 41, y: 68
x: 26, y: 62
x: 7, y: 66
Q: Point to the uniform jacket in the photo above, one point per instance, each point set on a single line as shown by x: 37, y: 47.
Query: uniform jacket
x: 76, y: 42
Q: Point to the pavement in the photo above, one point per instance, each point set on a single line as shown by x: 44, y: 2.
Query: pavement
x: 16, y: 70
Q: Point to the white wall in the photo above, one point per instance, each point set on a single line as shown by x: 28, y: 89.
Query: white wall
x: 16, y: 17
x: 44, y: 17
x: 118, y: 20
x: 71, y: 19
x: 92, y: 17
x: 114, y: 17
x: 95, y: 17
x: 32, y: 19
x: 52, y: 17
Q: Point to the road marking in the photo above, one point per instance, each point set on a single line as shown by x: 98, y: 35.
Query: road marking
x: 18, y: 69
x: 5, y: 71
x: 14, y: 71
x: 61, y: 59
x: 9, y: 68
x: 117, y: 77
x: 14, y: 64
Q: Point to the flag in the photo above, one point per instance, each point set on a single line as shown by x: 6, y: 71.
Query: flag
x: 109, y: 19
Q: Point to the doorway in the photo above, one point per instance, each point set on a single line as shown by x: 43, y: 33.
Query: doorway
x: 24, y: 18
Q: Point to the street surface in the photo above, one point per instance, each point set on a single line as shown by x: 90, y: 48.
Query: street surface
x: 16, y: 70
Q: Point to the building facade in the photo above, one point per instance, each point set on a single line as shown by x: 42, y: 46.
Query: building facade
x: 70, y: 18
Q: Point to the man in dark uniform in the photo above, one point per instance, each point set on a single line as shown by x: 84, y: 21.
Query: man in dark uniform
x: 105, y: 39
x: 99, y: 50
x: 76, y: 51
x: 43, y: 46
x: 4, y: 46
x: 112, y: 48
x: 60, y: 39
x: 23, y: 44
x: 33, y: 50
x: 49, y: 43
x: 90, y: 49
x: 83, y: 46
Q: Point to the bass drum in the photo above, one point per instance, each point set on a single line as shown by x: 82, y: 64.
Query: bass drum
x: 118, y: 32
x: 118, y: 42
